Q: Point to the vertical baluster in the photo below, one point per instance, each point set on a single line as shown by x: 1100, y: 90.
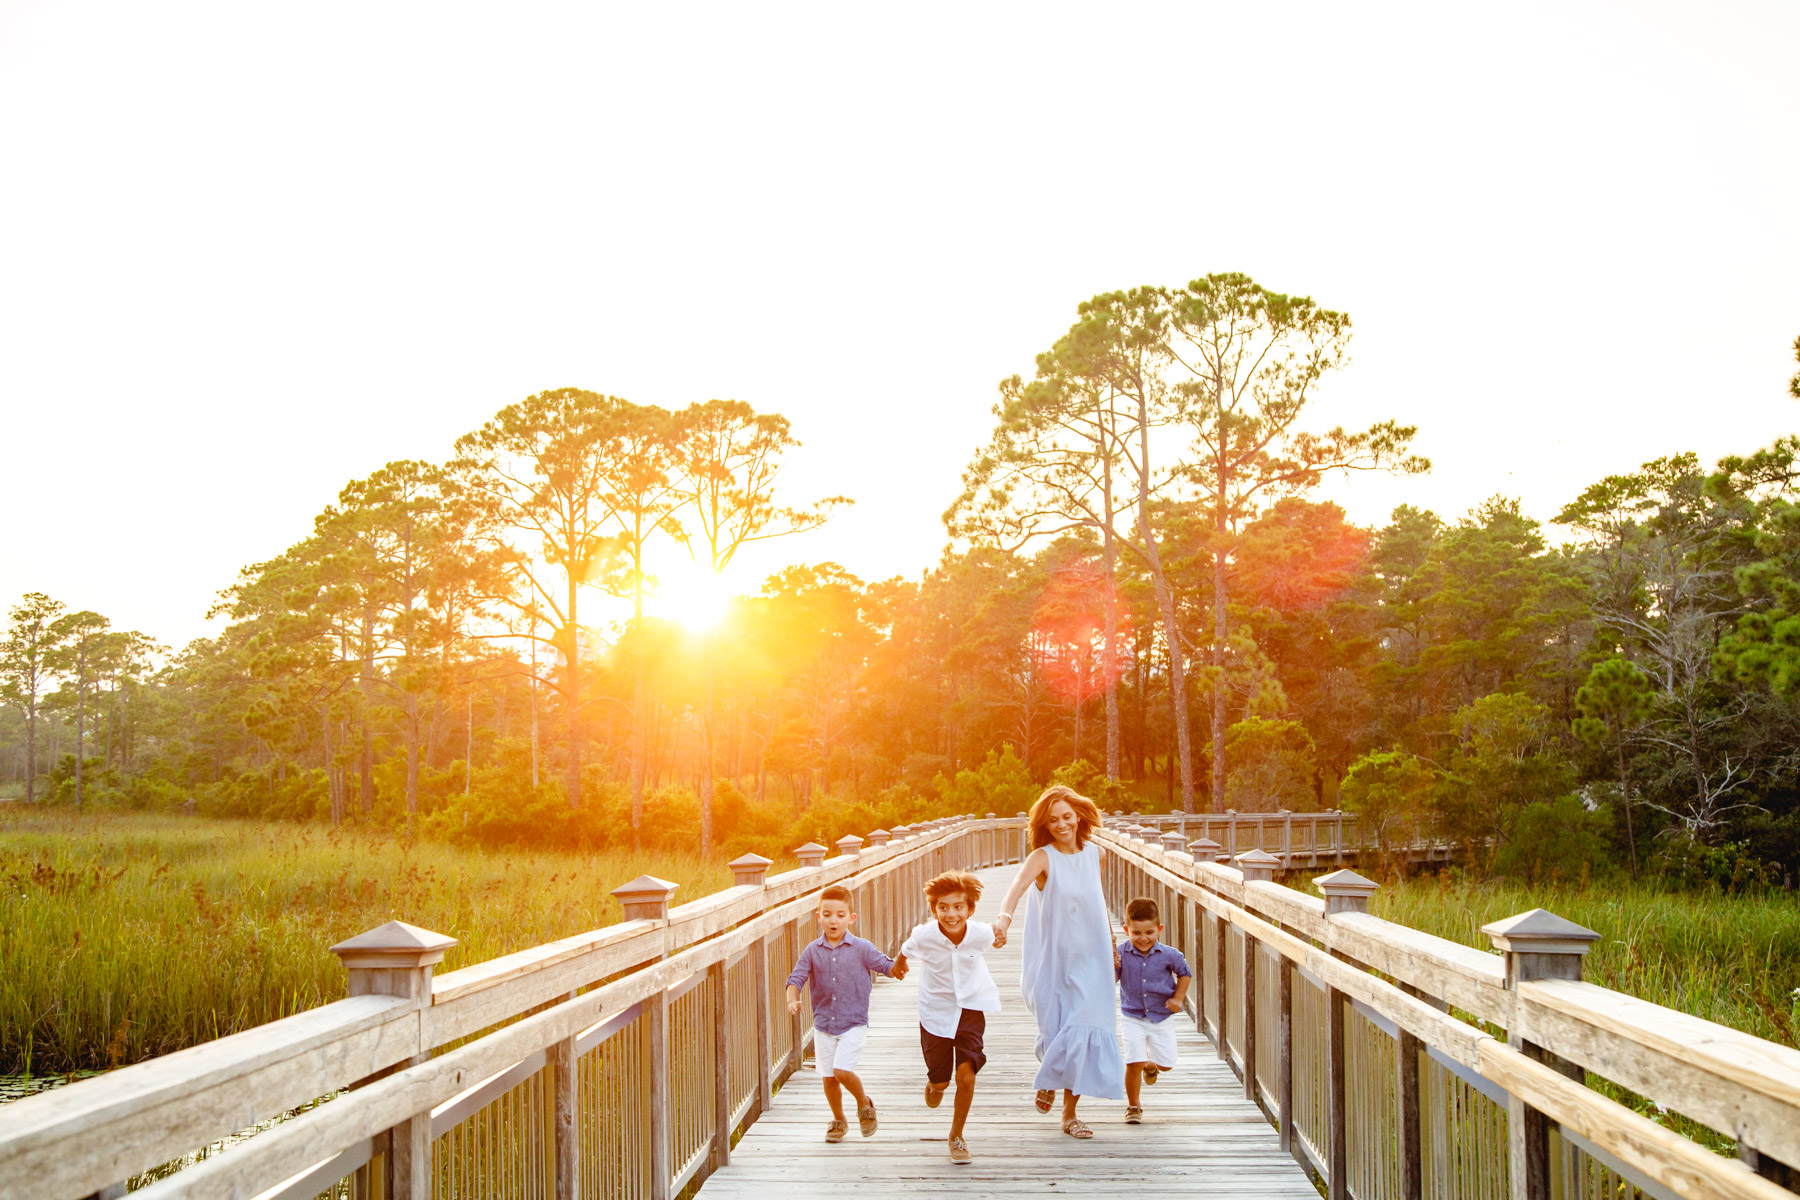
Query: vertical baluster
x: 1344, y: 892
x: 1284, y: 1053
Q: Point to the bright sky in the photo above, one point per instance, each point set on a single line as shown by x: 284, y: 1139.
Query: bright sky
x: 249, y: 252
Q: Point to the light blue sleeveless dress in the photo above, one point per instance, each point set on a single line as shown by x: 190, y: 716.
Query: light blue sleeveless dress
x: 1067, y: 979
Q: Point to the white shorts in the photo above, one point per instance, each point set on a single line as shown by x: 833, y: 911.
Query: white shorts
x: 839, y: 1052
x: 1149, y: 1041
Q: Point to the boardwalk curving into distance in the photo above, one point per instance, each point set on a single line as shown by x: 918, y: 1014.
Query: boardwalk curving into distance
x: 1200, y: 1134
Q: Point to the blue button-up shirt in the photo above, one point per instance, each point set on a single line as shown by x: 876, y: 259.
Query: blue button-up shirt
x: 1147, y: 981
x: 840, y: 981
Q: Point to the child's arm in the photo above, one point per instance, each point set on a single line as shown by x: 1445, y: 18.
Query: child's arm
x: 881, y: 964
x: 797, y: 979
x: 1183, y: 977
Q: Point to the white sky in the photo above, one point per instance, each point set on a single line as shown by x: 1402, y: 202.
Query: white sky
x: 250, y: 253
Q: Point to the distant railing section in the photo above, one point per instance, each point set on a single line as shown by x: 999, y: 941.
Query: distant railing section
x: 587, y: 1067
x: 1298, y: 839
x: 1368, y: 1045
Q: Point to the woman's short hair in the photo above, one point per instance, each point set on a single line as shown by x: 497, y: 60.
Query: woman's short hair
x: 1087, y: 817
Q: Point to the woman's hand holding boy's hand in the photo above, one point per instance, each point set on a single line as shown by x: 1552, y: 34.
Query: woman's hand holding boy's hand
x: 1000, y: 925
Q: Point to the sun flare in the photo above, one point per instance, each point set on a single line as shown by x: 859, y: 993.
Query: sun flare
x: 692, y: 597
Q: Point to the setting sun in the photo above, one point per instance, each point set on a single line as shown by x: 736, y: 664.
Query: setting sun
x: 691, y: 596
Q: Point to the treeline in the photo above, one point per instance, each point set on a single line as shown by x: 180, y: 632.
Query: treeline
x: 1140, y: 597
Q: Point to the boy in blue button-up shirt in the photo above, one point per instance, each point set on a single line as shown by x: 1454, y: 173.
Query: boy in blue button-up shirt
x: 838, y: 965
x: 1153, y: 984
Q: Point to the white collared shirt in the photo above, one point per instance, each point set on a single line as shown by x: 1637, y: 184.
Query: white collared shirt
x: 951, y: 977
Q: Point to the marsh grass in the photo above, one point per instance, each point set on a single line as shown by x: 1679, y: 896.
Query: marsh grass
x: 124, y: 936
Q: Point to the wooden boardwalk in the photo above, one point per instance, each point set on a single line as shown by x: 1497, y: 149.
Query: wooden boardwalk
x: 1200, y: 1136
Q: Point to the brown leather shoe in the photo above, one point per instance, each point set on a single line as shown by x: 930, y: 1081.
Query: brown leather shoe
x: 835, y: 1131
x: 959, y: 1152
x: 865, y: 1117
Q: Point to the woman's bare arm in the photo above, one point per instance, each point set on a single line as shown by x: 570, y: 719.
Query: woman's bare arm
x: 1032, y: 870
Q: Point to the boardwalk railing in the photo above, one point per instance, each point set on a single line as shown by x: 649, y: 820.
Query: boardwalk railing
x: 617, y: 1063
x: 1396, y: 1064
x: 1298, y: 839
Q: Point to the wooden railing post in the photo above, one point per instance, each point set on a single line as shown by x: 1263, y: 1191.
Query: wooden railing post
x: 1537, y: 945
x: 647, y: 898
x: 565, y: 1112
x: 1256, y: 866
x: 1284, y: 1055
x: 1344, y: 892
x: 396, y: 960
x: 752, y: 870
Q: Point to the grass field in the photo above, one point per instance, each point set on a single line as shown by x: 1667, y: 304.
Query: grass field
x: 1733, y: 959
x: 126, y: 936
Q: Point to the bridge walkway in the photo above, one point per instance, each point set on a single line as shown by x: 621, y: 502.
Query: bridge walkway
x: 1200, y: 1136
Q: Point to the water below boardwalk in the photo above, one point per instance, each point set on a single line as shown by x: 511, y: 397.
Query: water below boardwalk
x: 17, y: 1087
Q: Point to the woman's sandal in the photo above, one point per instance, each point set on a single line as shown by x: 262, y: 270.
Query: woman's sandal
x: 1075, y: 1127
x: 1044, y: 1100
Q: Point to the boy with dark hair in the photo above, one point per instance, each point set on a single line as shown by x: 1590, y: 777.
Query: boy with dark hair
x: 838, y: 965
x: 955, y: 995
x: 1153, y: 984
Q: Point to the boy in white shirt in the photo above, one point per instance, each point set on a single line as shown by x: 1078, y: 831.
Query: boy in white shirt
x: 955, y: 995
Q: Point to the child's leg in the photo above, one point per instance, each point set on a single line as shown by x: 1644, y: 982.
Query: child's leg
x: 834, y: 1096
x: 965, y: 1096
x: 1134, y: 1080
x: 849, y: 1081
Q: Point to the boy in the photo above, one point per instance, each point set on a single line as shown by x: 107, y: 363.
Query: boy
x: 838, y: 966
x: 955, y: 995
x: 1153, y: 984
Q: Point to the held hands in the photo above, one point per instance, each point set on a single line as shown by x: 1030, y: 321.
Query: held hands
x: 899, y: 969
x: 1000, y: 926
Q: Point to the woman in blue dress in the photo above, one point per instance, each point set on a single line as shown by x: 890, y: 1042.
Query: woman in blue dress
x: 1068, y: 960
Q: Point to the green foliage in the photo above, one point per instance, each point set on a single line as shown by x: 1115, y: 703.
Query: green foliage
x: 1272, y: 766
x: 1090, y: 780
x: 1616, y: 697
x: 1505, y: 760
x: 1556, y: 839
x: 1389, y: 791
x: 1000, y: 784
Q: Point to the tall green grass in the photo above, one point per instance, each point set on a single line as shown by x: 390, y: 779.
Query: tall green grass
x: 126, y: 936
x: 1733, y: 959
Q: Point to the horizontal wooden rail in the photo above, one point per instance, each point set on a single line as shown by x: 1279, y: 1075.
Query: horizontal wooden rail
x: 1400, y: 985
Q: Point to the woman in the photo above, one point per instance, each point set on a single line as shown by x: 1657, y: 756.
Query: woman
x: 1068, y: 959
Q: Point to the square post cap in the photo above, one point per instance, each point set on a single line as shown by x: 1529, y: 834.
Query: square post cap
x: 849, y: 844
x: 645, y: 898
x: 901, y: 831
x: 1257, y: 864
x: 394, y: 945
x: 991, y: 816
x: 1540, y: 932
x: 810, y: 855
x: 750, y: 869
x: 1173, y: 841
x: 879, y: 837
x: 1204, y: 850
x: 1345, y: 891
